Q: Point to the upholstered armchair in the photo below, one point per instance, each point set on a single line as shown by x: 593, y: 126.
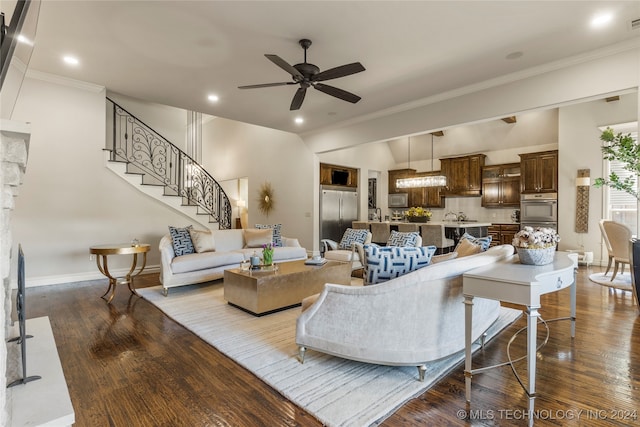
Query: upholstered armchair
x: 349, y: 249
x: 619, y: 236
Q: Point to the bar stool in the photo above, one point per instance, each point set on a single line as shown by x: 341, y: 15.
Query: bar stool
x: 408, y: 228
x: 433, y: 234
x: 360, y: 225
x: 380, y: 232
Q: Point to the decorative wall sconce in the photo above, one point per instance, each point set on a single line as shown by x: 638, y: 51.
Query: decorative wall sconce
x: 583, y: 182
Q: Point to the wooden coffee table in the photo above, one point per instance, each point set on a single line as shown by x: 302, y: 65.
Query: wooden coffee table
x: 261, y: 292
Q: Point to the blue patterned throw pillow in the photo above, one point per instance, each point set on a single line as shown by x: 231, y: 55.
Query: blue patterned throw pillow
x: 181, y: 239
x: 277, y: 232
x: 386, y: 263
x: 397, y: 238
x: 484, y: 242
x: 352, y: 236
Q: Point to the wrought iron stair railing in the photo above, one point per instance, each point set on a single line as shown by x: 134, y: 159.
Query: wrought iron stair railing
x: 161, y: 163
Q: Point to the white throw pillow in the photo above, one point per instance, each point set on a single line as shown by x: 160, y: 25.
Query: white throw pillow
x: 202, y: 240
x: 255, y: 238
x: 386, y: 263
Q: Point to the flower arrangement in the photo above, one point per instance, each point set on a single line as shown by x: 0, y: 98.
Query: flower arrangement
x: 536, y: 238
x: 267, y: 254
x: 418, y: 212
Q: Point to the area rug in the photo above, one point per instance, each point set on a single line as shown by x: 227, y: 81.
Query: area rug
x: 338, y: 392
x: 622, y: 281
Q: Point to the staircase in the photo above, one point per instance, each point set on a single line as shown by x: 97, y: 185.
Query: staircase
x: 161, y: 170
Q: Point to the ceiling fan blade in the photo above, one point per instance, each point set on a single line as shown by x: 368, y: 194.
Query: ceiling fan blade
x: 341, y: 71
x: 296, y: 102
x: 338, y: 93
x: 285, y: 66
x: 266, y: 85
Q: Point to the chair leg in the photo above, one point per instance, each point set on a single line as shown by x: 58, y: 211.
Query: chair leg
x: 608, y: 265
x: 422, y: 369
x: 615, y: 270
x: 301, y: 352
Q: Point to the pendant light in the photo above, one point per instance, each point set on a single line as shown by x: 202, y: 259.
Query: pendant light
x: 422, y: 181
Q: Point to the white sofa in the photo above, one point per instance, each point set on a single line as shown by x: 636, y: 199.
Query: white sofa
x: 230, y: 250
x: 406, y: 321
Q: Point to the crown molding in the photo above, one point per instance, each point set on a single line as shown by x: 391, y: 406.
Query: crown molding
x: 64, y: 81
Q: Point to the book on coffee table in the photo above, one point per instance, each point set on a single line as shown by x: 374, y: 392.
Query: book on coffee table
x: 312, y: 261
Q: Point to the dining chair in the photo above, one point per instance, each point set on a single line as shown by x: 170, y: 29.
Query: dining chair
x: 359, y: 225
x: 433, y: 234
x: 619, y: 236
x: 607, y: 244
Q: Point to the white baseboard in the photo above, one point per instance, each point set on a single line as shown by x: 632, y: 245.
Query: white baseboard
x: 32, y: 282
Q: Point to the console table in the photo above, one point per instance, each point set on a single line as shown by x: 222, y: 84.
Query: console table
x: 522, y: 284
x: 103, y: 251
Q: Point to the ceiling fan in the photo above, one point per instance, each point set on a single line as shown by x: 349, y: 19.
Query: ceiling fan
x: 307, y: 75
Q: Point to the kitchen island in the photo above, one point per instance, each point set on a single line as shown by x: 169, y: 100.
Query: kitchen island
x: 453, y: 229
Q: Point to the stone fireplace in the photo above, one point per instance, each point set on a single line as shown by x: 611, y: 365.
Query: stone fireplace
x: 14, y: 147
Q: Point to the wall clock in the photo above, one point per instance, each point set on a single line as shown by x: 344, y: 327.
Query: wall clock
x: 265, y: 198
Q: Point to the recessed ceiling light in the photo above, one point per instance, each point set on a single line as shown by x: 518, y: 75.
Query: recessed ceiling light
x: 213, y: 98
x: 299, y: 120
x: 71, y: 60
x: 601, y: 20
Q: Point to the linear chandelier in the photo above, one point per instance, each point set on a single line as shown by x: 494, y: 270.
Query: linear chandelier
x: 421, y: 181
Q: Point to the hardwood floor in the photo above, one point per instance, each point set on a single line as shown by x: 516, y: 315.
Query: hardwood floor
x: 127, y: 364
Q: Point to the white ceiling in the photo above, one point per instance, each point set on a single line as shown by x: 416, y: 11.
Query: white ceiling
x: 177, y: 52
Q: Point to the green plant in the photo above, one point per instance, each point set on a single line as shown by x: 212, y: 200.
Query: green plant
x: 624, y: 149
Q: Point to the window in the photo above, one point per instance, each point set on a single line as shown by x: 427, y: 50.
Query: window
x: 620, y: 206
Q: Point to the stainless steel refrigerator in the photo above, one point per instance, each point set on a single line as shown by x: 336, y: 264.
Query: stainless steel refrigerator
x: 338, y: 209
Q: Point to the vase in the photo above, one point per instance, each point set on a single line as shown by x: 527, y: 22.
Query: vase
x: 418, y: 218
x: 536, y: 256
x: 267, y: 257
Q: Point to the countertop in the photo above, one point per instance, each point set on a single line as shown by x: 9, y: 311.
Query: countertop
x: 448, y: 224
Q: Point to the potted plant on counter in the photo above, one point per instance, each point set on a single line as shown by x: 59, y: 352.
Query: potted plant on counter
x: 624, y: 149
x: 418, y: 214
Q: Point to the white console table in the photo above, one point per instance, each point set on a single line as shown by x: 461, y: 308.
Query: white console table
x: 517, y: 283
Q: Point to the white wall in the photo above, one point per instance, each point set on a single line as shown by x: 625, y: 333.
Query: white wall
x: 580, y: 149
x: 232, y: 150
x: 69, y: 200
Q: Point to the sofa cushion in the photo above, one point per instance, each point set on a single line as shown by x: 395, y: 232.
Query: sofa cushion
x: 254, y: 238
x: 386, y: 263
x: 444, y: 257
x: 181, y: 240
x: 397, y: 238
x: 466, y: 247
x: 277, y: 232
x: 202, y: 240
x: 352, y: 236
x: 484, y: 242
x: 205, y: 260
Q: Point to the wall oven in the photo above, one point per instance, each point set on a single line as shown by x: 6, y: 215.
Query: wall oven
x: 539, y: 210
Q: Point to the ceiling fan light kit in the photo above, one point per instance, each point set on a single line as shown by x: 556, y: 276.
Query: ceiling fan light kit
x: 309, y: 75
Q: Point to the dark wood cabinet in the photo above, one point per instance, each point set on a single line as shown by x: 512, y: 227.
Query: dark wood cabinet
x: 464, y: 175
x: 426, y: 197
x: 502, y: 234
x: 539, y: 172
x: 338, y: 175
x: 501, y: 186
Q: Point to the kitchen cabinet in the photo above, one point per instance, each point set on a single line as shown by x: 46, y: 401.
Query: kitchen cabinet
x: 464, y: 175
x: 338, y: 175
x: 539, y: 172
x: 502, y: 234
x: 501, y: 186
x: 426, y: 197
